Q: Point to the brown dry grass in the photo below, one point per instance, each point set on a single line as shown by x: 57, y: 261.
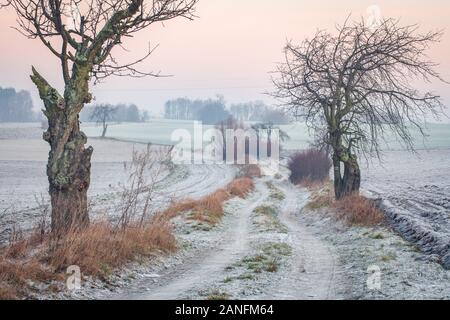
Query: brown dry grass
x: 97, y: 250
x: 102, y: 248
x: 15, y: 275
x: 353, y: 209
x: 240, y: 187
x: 209, y: 209
x: 322, y: 195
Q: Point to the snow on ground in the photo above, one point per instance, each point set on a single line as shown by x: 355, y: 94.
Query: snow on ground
x: 23, y: 180
x: 416, y: 197
x: 315, y: 256
x: 378, y: 263
x: 251, y: 254
x: 287, y: 252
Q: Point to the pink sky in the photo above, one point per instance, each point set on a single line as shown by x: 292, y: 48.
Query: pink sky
x: 230, y: 49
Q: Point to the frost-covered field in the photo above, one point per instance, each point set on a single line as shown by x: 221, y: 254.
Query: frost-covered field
x: 415, y: 187
x: 324, y: 259
x: 416, y: 194
x: 159, y: 131
x: 23, y: 178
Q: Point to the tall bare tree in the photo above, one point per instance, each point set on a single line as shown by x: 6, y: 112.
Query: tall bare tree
x: 101, y: 114
x: 82, y: 35
x: 356, y: 85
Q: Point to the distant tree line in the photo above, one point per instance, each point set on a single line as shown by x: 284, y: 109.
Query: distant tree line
x: 215, y: 110
x: 209, y: 111
x: 16, y: 106
x: 122, y: 113
x: 257, y: 111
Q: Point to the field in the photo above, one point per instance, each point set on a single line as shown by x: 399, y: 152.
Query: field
x: 158, y: 131
x: 23, y: 180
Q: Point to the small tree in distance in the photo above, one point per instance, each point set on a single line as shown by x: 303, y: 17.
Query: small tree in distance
x: 102, y: 114
x: 354, y: 87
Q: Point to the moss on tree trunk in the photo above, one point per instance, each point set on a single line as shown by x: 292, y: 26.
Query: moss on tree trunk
x: 69, y: 162
x: 350, y: 181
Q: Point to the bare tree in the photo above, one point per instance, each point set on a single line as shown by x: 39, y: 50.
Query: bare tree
x: 82, y: 36
x: 357, y: 85
x: 101, y: 114
x: 229, y: 124
x: 264, y: 132
x: 146, y: 171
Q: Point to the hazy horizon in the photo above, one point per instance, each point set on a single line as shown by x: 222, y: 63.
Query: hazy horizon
x: 230, y: 49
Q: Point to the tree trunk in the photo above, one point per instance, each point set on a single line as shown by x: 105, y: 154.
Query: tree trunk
x: 69, y: 179
x: 351, y: 180
x: 69, y: 163
x: 105, y: 127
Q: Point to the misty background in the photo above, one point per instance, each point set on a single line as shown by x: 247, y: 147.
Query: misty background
x: 229, y: 50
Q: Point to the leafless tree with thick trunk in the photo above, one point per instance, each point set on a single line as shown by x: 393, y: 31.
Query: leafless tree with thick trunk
x: 357, y: 85
x: 82, y: 35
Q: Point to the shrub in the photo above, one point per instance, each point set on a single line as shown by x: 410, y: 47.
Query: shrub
x: 309, y: 165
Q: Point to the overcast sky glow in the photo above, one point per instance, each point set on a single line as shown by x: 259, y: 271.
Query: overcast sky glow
x: 230, y: 49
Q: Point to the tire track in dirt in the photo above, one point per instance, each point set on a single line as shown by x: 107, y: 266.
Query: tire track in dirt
x: 313, y: 271
x: 205, y: 267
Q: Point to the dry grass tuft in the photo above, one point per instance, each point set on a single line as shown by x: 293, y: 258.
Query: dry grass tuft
x: 355, y: 209
x: 100, y: 248
x: 240, y: 187
x: 15, y: 275
x: 209, y: 209
x: 321, y: 197
x: 97, y: 250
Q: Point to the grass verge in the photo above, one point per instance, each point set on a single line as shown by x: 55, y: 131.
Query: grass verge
x: 267, y: 260
x: 266, y: 217
x: 209, y: 209
x: 41, y: 260
x: 274, y: 192
x: 96, y: 250
x: 353, y: 209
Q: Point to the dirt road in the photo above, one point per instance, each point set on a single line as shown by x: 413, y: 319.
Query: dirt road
x: 309, y: 271
x: 313, y: 269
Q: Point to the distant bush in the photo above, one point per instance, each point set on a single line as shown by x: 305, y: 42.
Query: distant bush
x: 309, y: 165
